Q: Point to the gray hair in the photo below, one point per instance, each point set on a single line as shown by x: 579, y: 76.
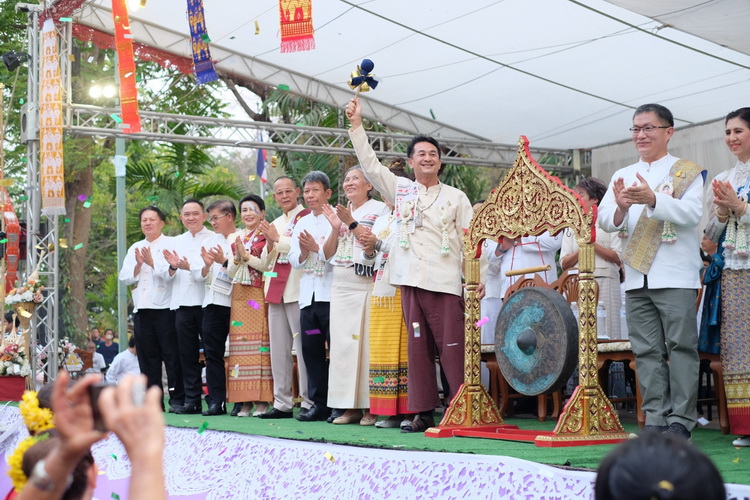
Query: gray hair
x: 317, y: 176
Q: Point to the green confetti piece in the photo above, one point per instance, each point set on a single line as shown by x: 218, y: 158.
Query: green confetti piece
x: 138, y: 78
x: 176, y: 174
x: 115, y: 496
x: 270, y: 274
x: 4, y: 240
x: 152, y: 198
x: 264, y: 349
x: 113, y: 456
x: 116, y: 117
x: 232, y: 37
x: 283, y: 87
x: 78, y: 246
x: 203, y: 427
x: 21, y: 100
x: 432, y: 113
x: 24, y: 197
x: 205, y: 37
x: 236, y: 323
x: 66, y: 19
x: 24, y: 159
x: 86, y: 204
x: 379, y: 380
x: 66, y: 220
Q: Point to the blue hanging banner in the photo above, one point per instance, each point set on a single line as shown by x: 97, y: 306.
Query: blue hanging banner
x: 204, y: 67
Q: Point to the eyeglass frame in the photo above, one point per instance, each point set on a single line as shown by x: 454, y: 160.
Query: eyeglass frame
x: 216, y: 218
x: 647, y: 129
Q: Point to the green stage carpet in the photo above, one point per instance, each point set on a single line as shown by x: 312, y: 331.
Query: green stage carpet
x: 734, y: 463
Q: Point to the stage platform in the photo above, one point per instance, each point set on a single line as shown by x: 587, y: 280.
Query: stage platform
x: 250, y: 458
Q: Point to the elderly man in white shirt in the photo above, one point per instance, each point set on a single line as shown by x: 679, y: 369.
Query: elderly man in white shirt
x: 125, y: 363
x: 217, y: 301
x: 306, y: 253
x: 153, y: 322
x: 282, y: 297
x: 188, y: 290
x: 657, y: 204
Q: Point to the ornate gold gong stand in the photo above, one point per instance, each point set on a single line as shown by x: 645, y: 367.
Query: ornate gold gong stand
x: 529, y: 201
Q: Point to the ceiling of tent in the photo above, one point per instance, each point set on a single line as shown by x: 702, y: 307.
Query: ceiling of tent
x: 567, y: 74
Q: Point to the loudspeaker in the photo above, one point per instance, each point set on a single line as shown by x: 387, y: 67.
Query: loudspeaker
x: 29, y: 122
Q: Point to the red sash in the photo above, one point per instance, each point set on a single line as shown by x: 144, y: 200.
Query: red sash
x: 277, y: 284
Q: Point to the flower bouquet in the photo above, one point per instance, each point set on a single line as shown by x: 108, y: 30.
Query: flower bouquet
x: 13, y: 361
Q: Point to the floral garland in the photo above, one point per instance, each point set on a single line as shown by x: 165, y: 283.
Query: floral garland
x: 407, y: 214
x: 345, y: 247
x: 445, y: 246
x: 15, y: 462
x: 736, y: 237
x: 37, y: 419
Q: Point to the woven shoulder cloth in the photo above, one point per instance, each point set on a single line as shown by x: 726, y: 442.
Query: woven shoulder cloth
x: 647, y: 236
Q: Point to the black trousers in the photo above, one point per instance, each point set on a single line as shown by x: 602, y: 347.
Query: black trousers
x: 316, y: 317
x: 215, y: 333
x: 189, y: 324
x: 156, y: 342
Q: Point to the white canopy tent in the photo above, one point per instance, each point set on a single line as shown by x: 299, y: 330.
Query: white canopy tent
x: 565, y: 73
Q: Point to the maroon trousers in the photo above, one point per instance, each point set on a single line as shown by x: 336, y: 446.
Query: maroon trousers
x: 441, y: 333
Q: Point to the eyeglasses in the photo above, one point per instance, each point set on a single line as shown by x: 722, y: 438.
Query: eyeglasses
x: 647, y: 129
x: 215, y: 218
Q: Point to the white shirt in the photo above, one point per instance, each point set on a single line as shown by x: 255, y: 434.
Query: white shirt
x: 99, y: 364
x: 151, y: 290
x: 678, y: 264
x: 422, y: 264
x: 212, y: 296
x: 124, y: 363
x: 603, y: 268
x: 317, y: 284
x: 532, y: 251
x: 188, y: 287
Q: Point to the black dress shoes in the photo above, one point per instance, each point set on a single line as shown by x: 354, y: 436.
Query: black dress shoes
x: 189, y: 409
x: 303, y: 411
x: 236, y: 409
x: 215, y: 409
x: 314, y: 414
x: 275, y: 413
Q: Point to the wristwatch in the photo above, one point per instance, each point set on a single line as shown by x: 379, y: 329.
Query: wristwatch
x: 42, y: 481
x: 172, y: 267
x: 353, y: 225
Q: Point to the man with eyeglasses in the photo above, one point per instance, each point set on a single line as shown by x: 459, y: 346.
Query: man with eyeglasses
x: 217, y: 301
x: 185, y: 266
x: 656, y: 204
x: 282, y: 296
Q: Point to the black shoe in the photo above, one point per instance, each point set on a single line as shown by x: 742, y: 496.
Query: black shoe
x: 236, y: 409
x: 274, y: 413
x: 303, y: 412
x: 678, y: 430
x: 315, y: 414
x: 174, y: 407
x: 215, y: 409
x: 336, y: 413
x: 189, y: 409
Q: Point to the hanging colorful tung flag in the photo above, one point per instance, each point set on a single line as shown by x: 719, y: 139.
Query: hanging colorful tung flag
x: 51, y: 125
x: 296, y: 25
x: 204, y: 67
x: 261, y: 166
x: 131, y: 120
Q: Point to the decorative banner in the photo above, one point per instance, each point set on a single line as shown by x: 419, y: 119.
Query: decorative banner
x: 296, y: 25
x: 131, y: 120
x: 204, y: 67
x: 51, y: 125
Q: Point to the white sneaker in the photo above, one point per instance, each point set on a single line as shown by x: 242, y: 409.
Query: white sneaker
x: 741, y: 441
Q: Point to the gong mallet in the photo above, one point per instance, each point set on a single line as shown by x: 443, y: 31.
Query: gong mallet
x: 527, y: 270
x: 362, y: 79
